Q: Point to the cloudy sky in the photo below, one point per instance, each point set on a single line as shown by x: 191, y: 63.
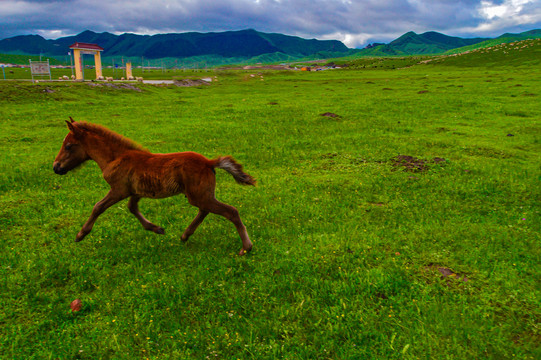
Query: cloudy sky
x: 354, y: 22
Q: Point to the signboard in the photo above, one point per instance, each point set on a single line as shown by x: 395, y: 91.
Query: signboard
x: 40, y: 68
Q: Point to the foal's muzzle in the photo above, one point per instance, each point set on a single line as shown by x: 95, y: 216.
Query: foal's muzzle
x: 59, y: 170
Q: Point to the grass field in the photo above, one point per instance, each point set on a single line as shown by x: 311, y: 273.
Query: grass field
x: 117, y: 74
x: 358, y: 253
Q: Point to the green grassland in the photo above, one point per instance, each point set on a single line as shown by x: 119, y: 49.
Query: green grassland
x: 23, y: 59
x: 357, y: 255
x: 193, y: 62
x: 117, y: 74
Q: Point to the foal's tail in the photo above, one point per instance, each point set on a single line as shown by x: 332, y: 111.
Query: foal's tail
x: 234, y: 168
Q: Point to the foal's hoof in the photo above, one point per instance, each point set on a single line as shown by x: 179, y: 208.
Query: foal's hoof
x: 159, y: 230
x: 81, y: 235
x: 244, y: 251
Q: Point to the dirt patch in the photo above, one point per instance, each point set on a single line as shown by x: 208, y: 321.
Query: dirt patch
x: 330, y: 114
x: 129, y: 87
x: 119, y: 86
x: 413, y: 164
x: 422, y: 92
x: 446, y: 273
x: 190, y: 82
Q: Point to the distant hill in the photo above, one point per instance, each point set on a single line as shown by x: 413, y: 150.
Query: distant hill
x: 536, y: 33
x: 237, y: 44
x: 429, y: 43
x: 525, y: 53
x: 503, y: 39
x: 517, y: 53
x: 432, y: 43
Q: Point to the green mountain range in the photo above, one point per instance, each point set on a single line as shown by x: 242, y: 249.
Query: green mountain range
x: 245, y: 46
x: 231, y: 44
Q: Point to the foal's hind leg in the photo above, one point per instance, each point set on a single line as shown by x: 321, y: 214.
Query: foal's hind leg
x: 232, y: 214
x: 134, y: 208
x: 195, y: 223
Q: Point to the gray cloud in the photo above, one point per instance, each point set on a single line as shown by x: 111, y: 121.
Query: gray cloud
x: 353, y: 21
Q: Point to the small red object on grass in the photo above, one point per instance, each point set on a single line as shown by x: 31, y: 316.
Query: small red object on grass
x: 76, y: 305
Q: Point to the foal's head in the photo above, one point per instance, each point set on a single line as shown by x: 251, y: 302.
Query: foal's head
x: 72, y: 153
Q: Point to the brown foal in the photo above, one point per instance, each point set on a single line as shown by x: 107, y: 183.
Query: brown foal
x: 133, y: 172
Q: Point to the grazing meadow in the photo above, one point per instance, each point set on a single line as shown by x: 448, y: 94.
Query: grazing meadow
x: 396, y: 217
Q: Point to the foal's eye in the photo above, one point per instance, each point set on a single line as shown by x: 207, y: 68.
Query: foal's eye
x: 68, y: 147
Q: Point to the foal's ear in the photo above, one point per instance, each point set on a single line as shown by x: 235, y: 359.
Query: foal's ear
x: 71, y: 119
x: 76, y: 132
x: 70, y: 126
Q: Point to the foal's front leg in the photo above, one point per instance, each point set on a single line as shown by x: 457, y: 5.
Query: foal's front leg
x: 134, y: 208
x: 110, y: 199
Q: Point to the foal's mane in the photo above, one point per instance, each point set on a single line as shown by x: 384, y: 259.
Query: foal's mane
x: 109, y: 136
